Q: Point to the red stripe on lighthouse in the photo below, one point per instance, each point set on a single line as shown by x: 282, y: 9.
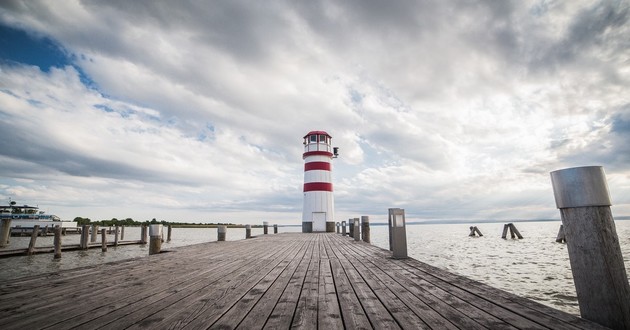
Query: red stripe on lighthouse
x: 318, y: 186
x: 317, y: 153
x: 317, y: 166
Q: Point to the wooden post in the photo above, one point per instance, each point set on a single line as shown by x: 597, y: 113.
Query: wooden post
x: 601, y: 282
x: 170, y: 230
x: 155, y: 239
x: 337, y: 225
x: 94, y: 233
x: 357, y: 231
x: 399, y: 233
x: 116, y: 236
x: 31, y: 244
x: 122, y: 233
x: 5, y: 232
x: 57, y: 242
x: 265, y: 227
x: 221, y: 233
x: 474, y: 231
x: 275, y: 229
x: 351, y: 227
x: 343, y: 228
x: 104, y: 240
x: 389, y: 230
x: 85, y: 233
x: 365, y: 228
x: 505, y: 230
x: 143, y: 234
x: 248, y: 231
x: 513, y: 231
x: 561, y: 238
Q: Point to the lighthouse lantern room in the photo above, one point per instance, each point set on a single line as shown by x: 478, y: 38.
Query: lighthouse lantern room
x: 318, y: 212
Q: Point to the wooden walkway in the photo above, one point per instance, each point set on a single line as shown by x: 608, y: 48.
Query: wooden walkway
x: 278, y: 281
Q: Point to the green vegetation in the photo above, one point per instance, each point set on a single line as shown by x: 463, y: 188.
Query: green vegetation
x: 130, y: 222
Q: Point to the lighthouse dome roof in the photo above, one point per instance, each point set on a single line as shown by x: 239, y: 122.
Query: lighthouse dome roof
x: 317, y: 133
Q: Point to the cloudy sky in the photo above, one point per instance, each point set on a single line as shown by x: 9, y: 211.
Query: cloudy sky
x: 195, y: 110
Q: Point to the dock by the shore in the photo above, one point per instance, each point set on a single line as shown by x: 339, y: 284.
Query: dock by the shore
x: 311, y: 281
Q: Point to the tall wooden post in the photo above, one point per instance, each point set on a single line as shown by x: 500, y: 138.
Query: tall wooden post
x: 351, y: 227
x: 365, y: 228
x: 399, y: 233
x: 122, y: 233
x: 155, y: 239
x: 5, y: 232
x: 275, y: 229
x: 357, y: 231
x: 31, y: 244
x: 104, y: 240
x: 57, y: 242
x: 601, y: 282
x: 560, y: 237
x: 343, y: 228
x: 170, y: 229
x: 94, y: 233
x: 116, y: 236
x: 85, y: 235
x: 337, y: 225
x: 143, y: 234
x: 265, y: 227
x: 248, y: 231
x: 221, y: 231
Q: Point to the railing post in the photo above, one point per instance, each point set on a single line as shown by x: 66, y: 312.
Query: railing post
x: 601, y: 283
x: 5, y: 232
x: 399, y: 233
x: 221, y: 233
x: 248, y: 231
x: 365, y: 228
x: 155, y: 239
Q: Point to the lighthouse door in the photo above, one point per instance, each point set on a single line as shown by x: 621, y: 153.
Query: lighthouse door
x: 319, y: 221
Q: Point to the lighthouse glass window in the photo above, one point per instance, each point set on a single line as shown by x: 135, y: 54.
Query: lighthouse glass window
x: 322, y: 138
x: 313, y: 138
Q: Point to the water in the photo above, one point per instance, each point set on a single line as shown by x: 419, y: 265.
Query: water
x: 535, y: 267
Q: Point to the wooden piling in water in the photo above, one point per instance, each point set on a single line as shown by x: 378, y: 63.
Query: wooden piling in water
x: 248, y: 231
x: 365, y: 228
x: 155, y: 239
x: 561, y: 237
x: 143, y: 234
x: 57, y: 242
x: 600, y: 277
x: 85, y: 232
x: 116, y: 236
x: 122, y: 233
x: 221, y: 231
x: 170, y: 229
x: 474, y: 231
x: 94, y: 233
x: 514, y: 231
x: 103, y: 240
x: 31, y: 244
x: 5, y: 232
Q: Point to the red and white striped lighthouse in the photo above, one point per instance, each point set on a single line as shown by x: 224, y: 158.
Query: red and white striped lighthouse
x: 318, y: 212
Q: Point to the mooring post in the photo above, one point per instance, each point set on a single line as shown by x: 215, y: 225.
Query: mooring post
x: 505, y: 230
x: 94, y: 233
x: 343, y: 228
x: 265, y: 227
x: 122, y: 233
x: 155, y: 239
x: 357, y: 231
x: 104, y: 240
x: 31, y: 244
x: 337, y: 225
x: 5, y: 232
x: 275, y: 229
x: 513, y: 231
x: 560, y: 237
x: 116, y: 236
x: 390, y: 230
x: 85, y: 233
x: 221, y: 230
x: 351, y: 227
x: 143, y: 234
x: 57, y: 242
x: 599, y: 274
x: 365, y: 228
x: 248, y: 231
x: 399, y: 233
x: 170, y: 230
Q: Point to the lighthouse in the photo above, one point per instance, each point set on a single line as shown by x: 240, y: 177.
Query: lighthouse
x: 318, y: 211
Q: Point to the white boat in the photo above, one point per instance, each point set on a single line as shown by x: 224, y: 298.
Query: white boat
x: 24, y: 216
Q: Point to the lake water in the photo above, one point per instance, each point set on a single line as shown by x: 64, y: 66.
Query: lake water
x: 535, y: 267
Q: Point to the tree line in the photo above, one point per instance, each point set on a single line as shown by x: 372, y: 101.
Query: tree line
x: 130, y: 222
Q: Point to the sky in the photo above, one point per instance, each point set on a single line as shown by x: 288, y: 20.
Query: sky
x: 195, y: 110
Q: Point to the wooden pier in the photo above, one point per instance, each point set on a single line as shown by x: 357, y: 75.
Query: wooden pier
x: 308, y: 281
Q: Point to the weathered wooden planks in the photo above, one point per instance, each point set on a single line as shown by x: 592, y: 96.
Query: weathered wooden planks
x: 305, y: 281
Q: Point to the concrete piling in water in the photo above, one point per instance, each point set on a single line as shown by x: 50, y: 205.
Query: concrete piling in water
x: 365, y: 228
x: 599, y: 274
x: 104, y: 240
x: 357, y: 230
x: 248, y: 231
x: 155, y: 239
x: 265, y: 227
x: 5, y: 232
x: 399, y: 233
x: 57, y: 243
x: 221, y: 232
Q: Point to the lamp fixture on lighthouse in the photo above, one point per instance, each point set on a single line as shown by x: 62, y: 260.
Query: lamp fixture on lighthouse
x: 318, y: 211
